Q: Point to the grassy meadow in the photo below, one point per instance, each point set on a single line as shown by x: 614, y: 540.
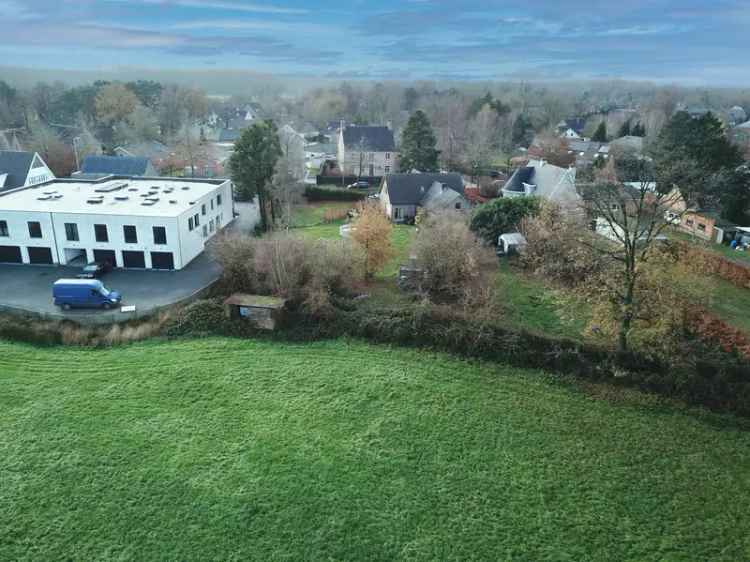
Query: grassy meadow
x: 221, y: 449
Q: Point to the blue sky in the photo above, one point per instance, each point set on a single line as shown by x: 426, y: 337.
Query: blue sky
x: 689, y: 41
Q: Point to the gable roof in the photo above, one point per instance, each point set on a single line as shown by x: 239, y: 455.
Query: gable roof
x: 577, y: 124
x: 548, y: 181
x: 376, y: 139
x: 410, y: 189
x: 16, y: 165
x: 115, y: 165
x: 146, y: 149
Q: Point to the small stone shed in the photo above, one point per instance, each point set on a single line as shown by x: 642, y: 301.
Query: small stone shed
x: 265, y: 312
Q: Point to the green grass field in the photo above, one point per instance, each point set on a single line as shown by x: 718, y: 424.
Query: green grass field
x: 220, y: 449
x: 528, y: 303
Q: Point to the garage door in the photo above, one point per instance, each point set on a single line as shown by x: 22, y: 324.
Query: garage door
x: 40, y: 256
x: 134, y: 259
x: 162, y: 260
x: 103, y: 256
x: 10, y: 254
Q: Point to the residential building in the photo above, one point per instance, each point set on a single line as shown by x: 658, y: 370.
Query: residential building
x: 401, y: 195
x: 587, y: 152
x: 367, y: 151
x: 22, y: 169
x: 134, y: 223
x: 553, y: 183
x: 571, y: 128
x: 157, y: 152
x: 118, y: 166
x: 736, y: 115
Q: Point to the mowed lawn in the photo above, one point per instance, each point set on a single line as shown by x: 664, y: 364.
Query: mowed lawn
x: 220, y: 449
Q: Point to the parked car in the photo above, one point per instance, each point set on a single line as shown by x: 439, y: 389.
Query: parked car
x: 95, y: 270
x: 360, y: 184
x: 84, y: 293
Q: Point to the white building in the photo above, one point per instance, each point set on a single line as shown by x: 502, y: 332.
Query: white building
x: 140, y: 223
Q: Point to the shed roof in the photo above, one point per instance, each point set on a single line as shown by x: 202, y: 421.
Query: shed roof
x: 255, y: 301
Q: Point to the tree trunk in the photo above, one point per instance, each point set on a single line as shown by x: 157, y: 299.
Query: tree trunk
x: 626, y: 319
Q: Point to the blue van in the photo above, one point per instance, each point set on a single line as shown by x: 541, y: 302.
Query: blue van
x: 84, y: 293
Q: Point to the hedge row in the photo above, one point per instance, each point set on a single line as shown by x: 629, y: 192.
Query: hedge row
x: 713, y: 379
x: 333, y: 194
x: 710, y: 263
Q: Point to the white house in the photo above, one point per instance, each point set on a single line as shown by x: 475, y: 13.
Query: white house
x: 139, y: 223
x: 22, y: 169
x: 367, y: 151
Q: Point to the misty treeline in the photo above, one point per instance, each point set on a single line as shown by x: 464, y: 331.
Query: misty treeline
x: 477, y: 125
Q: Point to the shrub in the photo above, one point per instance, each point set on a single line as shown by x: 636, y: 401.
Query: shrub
x: 198, y: 318
x: 554, y: 247
x: 372, y: 233
x: 455, y: 261
x: 501, y: 216
x: 305, y: 271
x: 333, y: 194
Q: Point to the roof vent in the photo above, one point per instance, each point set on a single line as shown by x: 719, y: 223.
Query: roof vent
x: 148, y: 203
x: 173, y: 201
x: 52, y: 192
x: 57, y: 196
x: 152, y: 199
x: 94, y: 201
x: 121, y: 198
x: 44, y: 198
x: 133, y: 189
x: 185, y: 187
x: 107, y: 188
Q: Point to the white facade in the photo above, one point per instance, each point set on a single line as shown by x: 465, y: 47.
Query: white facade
x: 137, y: 223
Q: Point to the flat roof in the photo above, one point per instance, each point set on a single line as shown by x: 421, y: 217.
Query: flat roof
x: 148, y: 197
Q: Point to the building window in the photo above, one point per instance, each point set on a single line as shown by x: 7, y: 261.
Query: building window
x: 131, y: 236
x: 35, y: 230
x: 218, y: 200
x: 212, y: 204
x: 387, y: 169
x: 71, y: 232
x: 197, y: 220
x: 160, y: 235
x: 689, y: 222
x: 458, y: 206
x: 702, y: 227
x: 190, y: 224
x: 100, y: 233
x: 203, y: 209
x: 396, y: 212
x: 205, y: 231
x: 4, y: 229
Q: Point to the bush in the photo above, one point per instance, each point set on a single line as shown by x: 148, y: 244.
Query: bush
x: 453, y: 258
x: 333, y: 194
x: 502, y: 216
x: 307, y: 272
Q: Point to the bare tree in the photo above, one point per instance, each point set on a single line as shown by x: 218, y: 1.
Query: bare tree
x: 633, y: 217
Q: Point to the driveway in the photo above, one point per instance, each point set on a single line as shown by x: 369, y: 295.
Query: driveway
x: 29, y: 288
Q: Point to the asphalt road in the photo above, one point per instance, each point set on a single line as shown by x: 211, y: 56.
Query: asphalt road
x: 29, y: 287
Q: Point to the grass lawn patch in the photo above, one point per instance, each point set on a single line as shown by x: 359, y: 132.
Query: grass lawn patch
x: 731, y: 303
x: 531, y: 304
x: 221, y: 449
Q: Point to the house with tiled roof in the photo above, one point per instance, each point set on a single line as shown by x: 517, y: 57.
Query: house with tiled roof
x: 541, y: 179
x: 367, y: 151
x: 118, y: 166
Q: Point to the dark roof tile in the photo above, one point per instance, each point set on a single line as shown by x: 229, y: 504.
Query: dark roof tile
x: 376, y: 139
x: 409, y: 189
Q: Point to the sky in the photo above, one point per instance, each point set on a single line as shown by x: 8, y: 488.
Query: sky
x: 695, y: 42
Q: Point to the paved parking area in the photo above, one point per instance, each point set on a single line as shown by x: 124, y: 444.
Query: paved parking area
x: 29, y: 287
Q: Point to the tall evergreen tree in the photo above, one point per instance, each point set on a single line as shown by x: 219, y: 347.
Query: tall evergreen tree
x: 639, y: 130
x: 601, y: 133
x: 252, y: 165
x: 523, y: 131
x: 696, y: 156
x: 625, y: 130
x: 418, y: 144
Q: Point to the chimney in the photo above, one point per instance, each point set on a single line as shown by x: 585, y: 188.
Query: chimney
x: 389, y: 124
x: 341, y: 125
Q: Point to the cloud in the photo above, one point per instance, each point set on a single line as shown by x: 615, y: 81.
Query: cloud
x: 228, y: 5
